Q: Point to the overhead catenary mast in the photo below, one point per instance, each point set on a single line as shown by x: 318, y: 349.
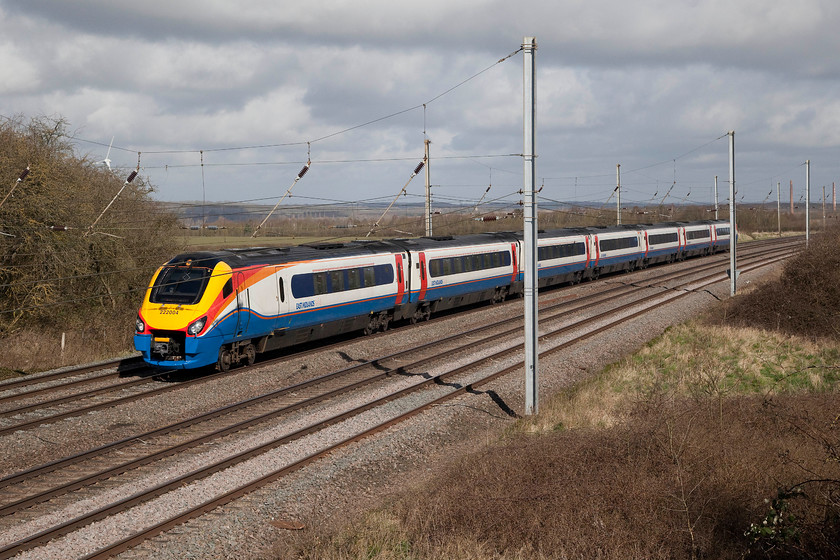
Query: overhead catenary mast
x: 733, y: 232
x: 779, y: 206
x: 717, y: 206
x: 428, y: 212
x: 618, y: 194
x: 529, y: 257
x: 807, y: 202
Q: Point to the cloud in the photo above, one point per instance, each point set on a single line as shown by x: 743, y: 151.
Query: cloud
x: 636, y: 83
x: 17, y: 75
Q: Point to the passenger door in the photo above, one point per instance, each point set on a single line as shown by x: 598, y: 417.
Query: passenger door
x: 400, y: 278
x: 243, y: 305
x: 423, y: 281
x: 284, y: 299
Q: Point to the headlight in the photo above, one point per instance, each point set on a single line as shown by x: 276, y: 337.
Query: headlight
x: 196, y: 326
x: 139, y: 325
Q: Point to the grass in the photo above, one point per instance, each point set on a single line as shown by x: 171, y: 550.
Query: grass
x: 697, y: 361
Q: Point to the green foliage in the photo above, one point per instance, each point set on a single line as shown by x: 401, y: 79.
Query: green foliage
x: 55, y: 278
x: 779, y: 526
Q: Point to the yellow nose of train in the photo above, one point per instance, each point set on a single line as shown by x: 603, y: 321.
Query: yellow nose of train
x: 178, y: 323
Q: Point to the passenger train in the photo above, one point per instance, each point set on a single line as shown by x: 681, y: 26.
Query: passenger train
x: 225, y: 307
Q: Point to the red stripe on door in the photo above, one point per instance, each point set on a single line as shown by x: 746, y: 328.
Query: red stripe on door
x: 423, y: 280
x: 400, y: 279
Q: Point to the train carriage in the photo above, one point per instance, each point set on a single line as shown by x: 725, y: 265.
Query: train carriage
x: 562, y: 256
x: 448, y: 271
x: 698, y: 238
x: 664, y: 243
x: 615, y: 248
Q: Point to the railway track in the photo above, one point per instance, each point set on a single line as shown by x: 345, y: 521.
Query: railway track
x: 57, y: 401
x: 296, y: 396
x: 408, y: 367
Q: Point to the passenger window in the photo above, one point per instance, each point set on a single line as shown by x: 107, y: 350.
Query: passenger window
x: 320, y: 281
x: 336, y: 281
x: 370, y: 277
x: 353, y: 279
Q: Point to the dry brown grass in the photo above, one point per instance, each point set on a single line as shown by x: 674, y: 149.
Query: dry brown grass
x: 30, y: 351
x: 671, y: 482
x: 675, y: 452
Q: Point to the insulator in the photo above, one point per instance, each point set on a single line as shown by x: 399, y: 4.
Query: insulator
x: 24, y: 174
x: 419, y: 167
x: 59, y: 228
x: 303, y: 171
x: 132, y: 176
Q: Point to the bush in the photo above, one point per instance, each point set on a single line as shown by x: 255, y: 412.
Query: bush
x: 55, y: 279
x: 804, y: 301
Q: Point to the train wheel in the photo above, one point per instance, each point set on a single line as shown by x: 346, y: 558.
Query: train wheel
x: 224, y: 359
x: 250, y: 355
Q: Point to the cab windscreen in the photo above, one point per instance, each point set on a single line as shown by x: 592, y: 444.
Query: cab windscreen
x: 180, y: 285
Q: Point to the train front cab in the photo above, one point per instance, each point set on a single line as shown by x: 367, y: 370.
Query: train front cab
x: 175, y: 325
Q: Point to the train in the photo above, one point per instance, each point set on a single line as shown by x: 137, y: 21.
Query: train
x: 225, y: 307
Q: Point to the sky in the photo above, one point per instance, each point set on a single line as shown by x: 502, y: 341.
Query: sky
x: 225, y: 101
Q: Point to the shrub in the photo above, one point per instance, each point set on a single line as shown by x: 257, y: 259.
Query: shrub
x: 804, y: 301
x: 54, y: 279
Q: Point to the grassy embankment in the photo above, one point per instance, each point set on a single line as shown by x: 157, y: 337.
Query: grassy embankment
x: 719, y: 439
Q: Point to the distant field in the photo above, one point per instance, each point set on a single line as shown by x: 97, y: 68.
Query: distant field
x: 220, y: 240
x: 225, y: 241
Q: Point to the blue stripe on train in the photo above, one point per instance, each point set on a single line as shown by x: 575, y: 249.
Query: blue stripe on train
x: 461, y: 288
